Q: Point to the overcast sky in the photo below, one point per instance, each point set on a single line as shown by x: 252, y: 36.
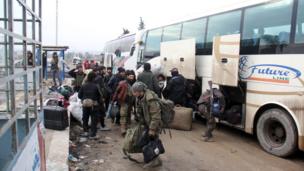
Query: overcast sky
x: 87, y: 25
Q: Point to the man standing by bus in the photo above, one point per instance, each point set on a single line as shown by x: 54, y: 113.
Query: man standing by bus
x: 210, y: 106
x: 176, y: 88
x: 149, y: 79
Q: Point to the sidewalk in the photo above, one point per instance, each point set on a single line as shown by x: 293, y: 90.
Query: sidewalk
x: 57, y: 149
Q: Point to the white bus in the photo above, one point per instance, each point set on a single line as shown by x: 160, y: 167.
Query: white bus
x: 117, y: 52
x: 270, y: 91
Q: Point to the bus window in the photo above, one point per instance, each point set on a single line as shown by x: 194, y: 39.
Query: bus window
x: 223, y: 24
x: 132, y: 50
x: 118, y: 53
x: 172, y: 33
x: 270, y: 32
x: 195, y: 29
x: 152, y: 48
x: 300, y: 23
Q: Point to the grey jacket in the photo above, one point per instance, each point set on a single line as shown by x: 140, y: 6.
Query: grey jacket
x: 150, y: 80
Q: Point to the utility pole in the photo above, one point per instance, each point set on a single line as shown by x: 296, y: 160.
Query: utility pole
x: 56, y: 22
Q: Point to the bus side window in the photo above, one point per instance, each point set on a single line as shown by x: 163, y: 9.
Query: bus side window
x: 271, y: 32
x: 223, y: 24
x: 195, y: 29
x: 152, y: 48
x: 172, y: 33
x: 117, y: 53
x: 300, y: 23
x: 132, y: 50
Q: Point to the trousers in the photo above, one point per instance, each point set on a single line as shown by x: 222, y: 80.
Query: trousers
x: 55, y: 74
x: 124, y: 113
x: 87, y: 113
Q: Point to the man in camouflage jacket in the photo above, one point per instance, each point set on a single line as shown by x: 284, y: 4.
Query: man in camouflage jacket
x: 148, y: 112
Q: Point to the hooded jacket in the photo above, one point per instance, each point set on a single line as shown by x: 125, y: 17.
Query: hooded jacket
x: 150, y: 80
x: 149, y: 111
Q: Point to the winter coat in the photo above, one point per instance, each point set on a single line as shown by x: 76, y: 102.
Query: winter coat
x: 150, y: 80
x: 89, y: 90
x: 176, y: 89
x: 148, y: 110
x: 114, y: 81
x: 123, y: 93
x: 79, y: 77
x: 99, y: 80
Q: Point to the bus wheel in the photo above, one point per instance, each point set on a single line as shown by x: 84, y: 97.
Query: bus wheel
x: 277, y: 133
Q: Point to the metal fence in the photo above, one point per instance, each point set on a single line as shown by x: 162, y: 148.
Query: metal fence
x: 20, y: 75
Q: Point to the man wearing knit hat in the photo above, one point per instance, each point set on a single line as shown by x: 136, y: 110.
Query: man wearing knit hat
x: 149, y: 114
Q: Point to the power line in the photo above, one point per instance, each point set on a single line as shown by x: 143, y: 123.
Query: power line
x: 56, y: 22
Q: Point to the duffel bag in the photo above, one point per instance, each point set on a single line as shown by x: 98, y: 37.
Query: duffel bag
x: 153, y: 149
x: 182, y: 119
x: 132, y: 138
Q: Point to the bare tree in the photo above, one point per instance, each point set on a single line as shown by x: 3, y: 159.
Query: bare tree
x: 141, y: 24
x: 125, y: 31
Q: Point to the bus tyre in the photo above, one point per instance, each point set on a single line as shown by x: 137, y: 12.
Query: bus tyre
x: 277, y: 133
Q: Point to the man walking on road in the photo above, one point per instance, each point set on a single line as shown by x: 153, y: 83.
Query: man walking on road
x: 123, y: 96
x: 113, y: 83
x: 90, y: 96
x: 149, y: 114
x: 99, y: 80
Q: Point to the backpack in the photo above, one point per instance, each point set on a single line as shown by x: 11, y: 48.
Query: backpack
x: 167, y: 113
x: 216, y: 107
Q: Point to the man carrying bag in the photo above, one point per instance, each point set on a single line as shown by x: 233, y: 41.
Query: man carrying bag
x: 90, y: 95
x: 144, y: 137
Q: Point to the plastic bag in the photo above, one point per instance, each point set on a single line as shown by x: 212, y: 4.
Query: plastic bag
x: 113, y: 110
x: 75, y: 109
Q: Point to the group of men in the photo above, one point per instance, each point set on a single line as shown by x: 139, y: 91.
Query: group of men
x: 100, y: 88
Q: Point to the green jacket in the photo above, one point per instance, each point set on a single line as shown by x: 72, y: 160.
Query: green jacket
x: 79, y: 79
x: 149, y: 111
x: 150, y: 80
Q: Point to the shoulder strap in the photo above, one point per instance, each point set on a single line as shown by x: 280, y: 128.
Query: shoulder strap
x: 130, y: 158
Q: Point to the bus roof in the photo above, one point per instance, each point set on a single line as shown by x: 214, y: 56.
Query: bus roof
x: 120, y: 37
x: 214, y: 11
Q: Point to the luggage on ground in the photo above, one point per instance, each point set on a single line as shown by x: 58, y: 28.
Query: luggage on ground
x: 182, y: 119
x: 153, y: 149
x: 132, y: 139
x: 55, y: 117
x: 233, y: 115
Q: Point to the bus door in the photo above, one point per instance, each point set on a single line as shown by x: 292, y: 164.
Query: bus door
x: 178, y: 54
x: 226, y: 54
x: 225, y: 73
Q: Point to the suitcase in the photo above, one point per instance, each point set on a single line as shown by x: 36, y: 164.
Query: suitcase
x: 55, y: 117
x: 182, y: 119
